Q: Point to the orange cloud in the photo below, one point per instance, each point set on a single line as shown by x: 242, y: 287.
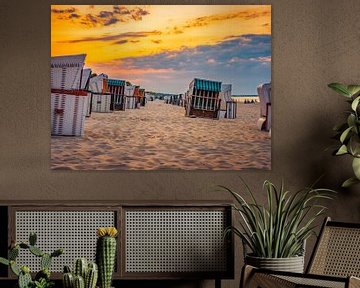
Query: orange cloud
x: 208, y: 20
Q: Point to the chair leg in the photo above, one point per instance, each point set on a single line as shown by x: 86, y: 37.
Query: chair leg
x: 217, y: 283
x: 246, y: 273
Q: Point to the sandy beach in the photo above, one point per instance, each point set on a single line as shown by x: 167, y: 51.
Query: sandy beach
x: 159, y: 136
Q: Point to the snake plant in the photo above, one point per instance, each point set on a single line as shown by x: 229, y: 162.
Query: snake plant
x: 279, y: 228
x: 349, y: 131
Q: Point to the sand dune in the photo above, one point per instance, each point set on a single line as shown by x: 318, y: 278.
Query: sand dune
x: 159, y: 136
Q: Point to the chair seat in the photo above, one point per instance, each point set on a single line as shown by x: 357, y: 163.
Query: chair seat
x: 315, y: 282
x: 267, y: 279
x: 335, y: 262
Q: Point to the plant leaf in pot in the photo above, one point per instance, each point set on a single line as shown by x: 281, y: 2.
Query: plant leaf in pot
x: 276, y: 233
x: 348, y: 133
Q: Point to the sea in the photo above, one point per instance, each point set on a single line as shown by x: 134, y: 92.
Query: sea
x: 245, y: 98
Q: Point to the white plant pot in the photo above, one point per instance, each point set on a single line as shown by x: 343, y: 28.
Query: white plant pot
x: 291, y: 264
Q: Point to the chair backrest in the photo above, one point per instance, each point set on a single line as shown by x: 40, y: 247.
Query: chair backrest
x: 337, y: 251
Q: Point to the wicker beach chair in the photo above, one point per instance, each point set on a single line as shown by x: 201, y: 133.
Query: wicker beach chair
x: 334, y: 263
x: 66, y: 71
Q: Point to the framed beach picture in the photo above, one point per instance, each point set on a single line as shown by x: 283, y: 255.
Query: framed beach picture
x: 151, y: 87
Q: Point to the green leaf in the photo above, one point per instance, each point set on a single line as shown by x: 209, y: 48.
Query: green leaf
x: 354, y: 145
x: 355, y: 103
x: 345, y: 134
x: 353, y: 89
x: 356, y: 167
x: 351, y: 120
x: 14, y: 268
x: 342, y: 150
x: 4, y: 261
x: 340, y: 88
x: 349, y: 182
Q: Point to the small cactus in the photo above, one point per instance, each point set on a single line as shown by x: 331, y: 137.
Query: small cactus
x: 44, y: 273
x: 68, y: 280
x: 36, y: 251
x: 32, y: 239
x: 24, y: 277
x: 13, y: 253
x: 80, y: 268
x: 57, y: 252
x: 45, y: 261
x: 106, y: 254
x: 42, y: 278
x: 91, y: 276
x: 14, y: 268
x: 89, y: 272
x: 24, y: 245
x: 79, y: 282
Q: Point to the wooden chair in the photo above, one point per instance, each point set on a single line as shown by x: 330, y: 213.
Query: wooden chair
x: 334, y: 263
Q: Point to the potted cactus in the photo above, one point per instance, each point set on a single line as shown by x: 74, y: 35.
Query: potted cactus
x: 42, y: 278
x: 85, y: 275
x: 106, y: 254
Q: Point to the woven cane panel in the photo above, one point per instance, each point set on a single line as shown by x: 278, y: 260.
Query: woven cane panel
x: 74, y: 231
x: 338, y: 253
x: 308, y: 282
x: 175, y: 241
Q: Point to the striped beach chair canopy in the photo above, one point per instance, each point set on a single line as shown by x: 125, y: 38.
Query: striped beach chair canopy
x: 66, y: 71
x: 208, y: 85
x: 115, y: 82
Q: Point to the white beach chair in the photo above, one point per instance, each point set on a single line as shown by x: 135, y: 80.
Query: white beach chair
x: 264, y: 93
x: 68, y: 111
x: 101, y: 103
x: 68, y: 101
x: 66, y: 71
x: 130, y: 101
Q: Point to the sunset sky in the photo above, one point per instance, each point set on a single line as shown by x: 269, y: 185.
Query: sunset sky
x: 163, y: 47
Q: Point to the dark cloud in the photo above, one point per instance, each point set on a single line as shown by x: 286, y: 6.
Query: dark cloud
x: 63, y: 11
x: 116, y: 37
x: 89, y: 20
x: 74, y: 15
x: 245, y: 50
x: 105, y: 14
x: 120, y: 42
x: 120, y: 10
x: 156, y: 41
x: 111, y: 21
x: 104, y: 17
x: 243, y: 61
